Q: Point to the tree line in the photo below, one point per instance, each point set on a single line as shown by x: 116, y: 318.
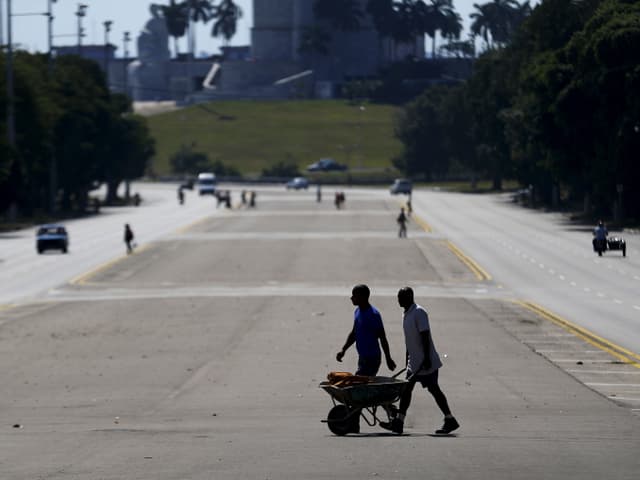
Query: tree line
x: 72, y: 134
x: 556, y: 106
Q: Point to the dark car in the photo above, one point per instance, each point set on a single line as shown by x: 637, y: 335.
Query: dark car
x: 52, y: 237
x: 326, y: 165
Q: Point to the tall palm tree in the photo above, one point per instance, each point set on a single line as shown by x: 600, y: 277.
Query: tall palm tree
x: 497, y: 21
x: 442, y: 17
x: 482, y: 21
x: 226, y: 17
x: 176, y: 19
x: 197, y: 11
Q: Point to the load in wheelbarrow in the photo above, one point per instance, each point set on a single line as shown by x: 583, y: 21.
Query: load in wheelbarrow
x: 361, y: 399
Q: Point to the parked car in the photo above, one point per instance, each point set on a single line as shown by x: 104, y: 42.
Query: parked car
x: 298, y: 183
x: 326, y: 165
x: 401, y: 185
x: 52, y: 237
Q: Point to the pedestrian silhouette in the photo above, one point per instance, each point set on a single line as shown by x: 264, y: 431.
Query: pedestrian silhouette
x: 128, y: 238
x: 402, y: 223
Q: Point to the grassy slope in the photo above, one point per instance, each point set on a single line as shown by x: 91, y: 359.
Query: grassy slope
x: 252, y: 135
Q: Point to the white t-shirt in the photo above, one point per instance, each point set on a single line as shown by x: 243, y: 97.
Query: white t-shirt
x: 414, y: 321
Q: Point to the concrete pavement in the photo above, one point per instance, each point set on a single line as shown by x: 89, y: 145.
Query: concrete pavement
x: 200, y: 356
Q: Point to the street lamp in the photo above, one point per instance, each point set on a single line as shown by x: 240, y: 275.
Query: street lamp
x: 107, y: 28
x: 11, y: 127
x: 80, y: 13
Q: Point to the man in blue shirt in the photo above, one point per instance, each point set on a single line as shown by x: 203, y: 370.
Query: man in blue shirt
x: 368, y: 335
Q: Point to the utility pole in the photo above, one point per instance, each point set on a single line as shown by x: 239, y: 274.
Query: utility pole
x: 1, y: 25
x: 107, y: 28
x: 11, y: 126
x: 80, y: 13
x: 53, y: 164
x: 125, y: 40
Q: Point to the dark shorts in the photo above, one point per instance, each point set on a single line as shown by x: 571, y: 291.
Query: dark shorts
x: 368, y: 366
x: 427, y: 381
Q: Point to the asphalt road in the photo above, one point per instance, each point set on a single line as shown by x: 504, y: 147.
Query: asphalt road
x: 542, y: 257
x: 199, y: 357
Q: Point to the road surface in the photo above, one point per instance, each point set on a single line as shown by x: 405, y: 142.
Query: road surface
x: 199, y: 356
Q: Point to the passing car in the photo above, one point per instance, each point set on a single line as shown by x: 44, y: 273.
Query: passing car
x: 52, y: 237
x: 401, y: 185
x: 326, y: 165
x: 298, y: 183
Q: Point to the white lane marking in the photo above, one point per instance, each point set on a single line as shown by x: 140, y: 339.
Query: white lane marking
x: 552, y: 271
x: 619, y: 302
x: 561, y: 277
x: 637, y: 307
x: 601, y: 295
x: 591, y: 384
x: 606, y: 372
x: 624, y: 399
x: 636, y: 277
x: 573, y: 284
x: 587, y: 289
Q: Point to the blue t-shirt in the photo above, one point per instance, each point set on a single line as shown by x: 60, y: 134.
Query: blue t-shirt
x: 367, y: 325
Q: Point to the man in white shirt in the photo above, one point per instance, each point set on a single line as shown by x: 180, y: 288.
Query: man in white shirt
x: 423, y: 363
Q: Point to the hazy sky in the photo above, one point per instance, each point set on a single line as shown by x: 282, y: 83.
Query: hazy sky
x: 127, y: 15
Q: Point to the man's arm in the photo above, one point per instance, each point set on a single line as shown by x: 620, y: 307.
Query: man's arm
x: 424, y: 336
x: 351, y: 339
x: 385, y: 348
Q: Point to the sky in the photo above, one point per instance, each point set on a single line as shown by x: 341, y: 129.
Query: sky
x: 30, y: 32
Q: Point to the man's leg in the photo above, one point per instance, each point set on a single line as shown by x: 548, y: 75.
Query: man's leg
x: 397, y: 424
x: 431, y: 382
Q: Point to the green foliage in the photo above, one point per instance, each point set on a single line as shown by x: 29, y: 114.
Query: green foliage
x: 284, y: 168
x: 251, y: 135
x: 187, y: 160
x: 557, y: 106
x: 67, y: 119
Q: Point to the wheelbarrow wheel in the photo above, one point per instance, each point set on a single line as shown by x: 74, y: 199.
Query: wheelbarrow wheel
x: 338, y: 420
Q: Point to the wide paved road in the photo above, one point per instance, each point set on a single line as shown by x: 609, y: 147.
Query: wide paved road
x: 541, y: 257
x: 199, y: 357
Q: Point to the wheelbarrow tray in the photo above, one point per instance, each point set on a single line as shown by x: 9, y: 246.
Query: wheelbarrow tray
x: 380, y: 391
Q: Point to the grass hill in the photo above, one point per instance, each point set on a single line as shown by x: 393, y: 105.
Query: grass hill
x: 252, y: 135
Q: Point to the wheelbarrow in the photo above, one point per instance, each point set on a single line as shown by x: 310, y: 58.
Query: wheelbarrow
x: 351, y: 402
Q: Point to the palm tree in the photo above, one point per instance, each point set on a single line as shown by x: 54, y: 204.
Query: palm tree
x: 442, y: 17
x: 482, y: 23
x: 176, y: 20
x: 226, y: 17
x: 196, y: 11
x: 497, y: 21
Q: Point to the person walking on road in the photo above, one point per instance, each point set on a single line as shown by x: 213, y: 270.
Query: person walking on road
x: 423, y: 364
x: 368, y: 334
x: 402, y: 223
x: 128, y: 238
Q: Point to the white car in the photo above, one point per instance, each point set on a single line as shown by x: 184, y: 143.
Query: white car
x: 207, y: 183
x: 401, y: 185
x: 298, y: 183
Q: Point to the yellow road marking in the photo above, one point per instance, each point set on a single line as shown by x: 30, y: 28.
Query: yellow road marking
x: 84, y: 278
x: 7, y: 306
x: 186, y: 228
x: 423, y: 224
x: 621, y: 353
x: 479, y: 272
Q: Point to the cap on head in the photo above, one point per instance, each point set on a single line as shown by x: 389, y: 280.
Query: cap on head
x: 362, y: 291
